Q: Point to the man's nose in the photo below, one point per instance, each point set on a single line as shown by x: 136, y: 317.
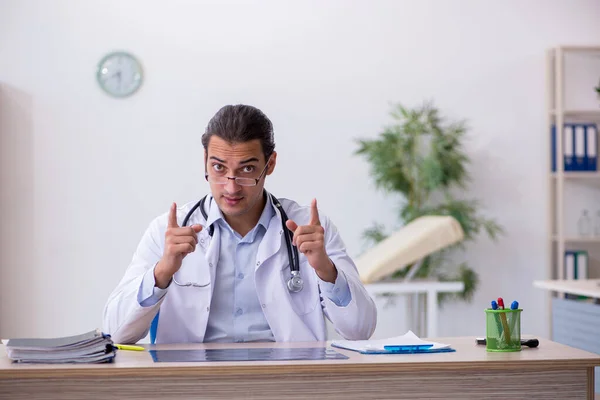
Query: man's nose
x: 232, y: 186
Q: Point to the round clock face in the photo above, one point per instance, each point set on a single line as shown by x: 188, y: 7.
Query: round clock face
x: 119, y: 74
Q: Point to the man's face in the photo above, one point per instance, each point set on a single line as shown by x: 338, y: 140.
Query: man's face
x: 241, y: 160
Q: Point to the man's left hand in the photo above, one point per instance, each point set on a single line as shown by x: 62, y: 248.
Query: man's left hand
x: 310, y: 241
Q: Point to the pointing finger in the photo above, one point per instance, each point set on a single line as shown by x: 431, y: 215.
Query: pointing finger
x: 173, y: 217
x: 314, y: 213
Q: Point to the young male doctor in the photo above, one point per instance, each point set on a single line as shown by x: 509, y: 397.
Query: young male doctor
x: 224, y: 277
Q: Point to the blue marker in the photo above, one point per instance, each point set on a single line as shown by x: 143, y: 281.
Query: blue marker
x: 494, y: 305
x: 514, y: 306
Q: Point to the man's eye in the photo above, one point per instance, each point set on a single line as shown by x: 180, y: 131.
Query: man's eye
x: 218, y: 167
x: 249, y: 168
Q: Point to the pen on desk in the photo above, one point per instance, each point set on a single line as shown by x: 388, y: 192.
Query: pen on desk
x: 524, y: 342
x: 129, y: 347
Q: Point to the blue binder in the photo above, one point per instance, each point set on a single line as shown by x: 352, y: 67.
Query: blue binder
x: 591, y: 147
x: 570, y: 260
x: 580, y: 147
x: 568, y: 144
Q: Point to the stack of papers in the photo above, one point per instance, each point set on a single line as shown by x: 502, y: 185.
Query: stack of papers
x: 91, y: 347
x: 406, y: 344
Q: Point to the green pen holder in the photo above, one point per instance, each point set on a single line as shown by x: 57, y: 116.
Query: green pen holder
x: 503, y: 330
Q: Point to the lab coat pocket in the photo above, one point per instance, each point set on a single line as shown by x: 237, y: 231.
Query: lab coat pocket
x: 194, y: 270
x: 306, y: 300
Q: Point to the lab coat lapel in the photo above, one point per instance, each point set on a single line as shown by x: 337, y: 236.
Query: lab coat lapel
x: 210, y: 248
x: 271, y: 242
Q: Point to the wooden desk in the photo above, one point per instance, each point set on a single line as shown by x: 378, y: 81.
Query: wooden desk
x: 552, y: 371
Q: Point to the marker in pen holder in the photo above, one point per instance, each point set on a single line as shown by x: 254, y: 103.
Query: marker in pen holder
x: 503, y: 330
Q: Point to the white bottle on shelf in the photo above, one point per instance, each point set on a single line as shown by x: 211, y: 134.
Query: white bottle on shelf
x: 584, y: 224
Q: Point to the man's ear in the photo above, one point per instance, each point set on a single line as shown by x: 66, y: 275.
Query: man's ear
x: 272, y: 163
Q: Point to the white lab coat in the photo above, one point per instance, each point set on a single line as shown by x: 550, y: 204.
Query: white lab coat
x: 184, y: 310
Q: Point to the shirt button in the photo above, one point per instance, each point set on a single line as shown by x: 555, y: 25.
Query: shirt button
x: 207, y: 309
x: 336, y: 290
x: 239, y: 312
x: 258, y: 263
x: 210, y: 265
x: 263, y: 305
x: 240, y: 276
x: 202, y: 241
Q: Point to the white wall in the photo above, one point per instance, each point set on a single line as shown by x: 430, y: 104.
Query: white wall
x: 82, y: 174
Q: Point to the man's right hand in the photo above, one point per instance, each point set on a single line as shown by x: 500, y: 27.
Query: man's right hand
x: 179, y: 242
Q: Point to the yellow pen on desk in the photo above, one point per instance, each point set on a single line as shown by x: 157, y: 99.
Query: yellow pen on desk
x: 129, y: 347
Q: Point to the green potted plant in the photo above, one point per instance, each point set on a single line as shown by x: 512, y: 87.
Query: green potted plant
x: 420, y: 158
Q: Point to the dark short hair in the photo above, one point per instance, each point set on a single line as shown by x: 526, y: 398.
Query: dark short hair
x: 241, y: 123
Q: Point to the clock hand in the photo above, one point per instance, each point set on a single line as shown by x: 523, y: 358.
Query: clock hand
x: 117, y: 74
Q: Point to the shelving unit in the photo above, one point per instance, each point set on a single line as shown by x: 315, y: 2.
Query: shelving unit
x: 578, y: 113
x: 570, y: 320
x: 560, y: 113
x: 575, y: 239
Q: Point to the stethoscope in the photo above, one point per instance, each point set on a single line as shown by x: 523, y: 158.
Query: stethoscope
x: 295, y: 282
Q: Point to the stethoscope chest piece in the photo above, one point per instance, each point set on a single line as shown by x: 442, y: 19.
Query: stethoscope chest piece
x: 295, y: 283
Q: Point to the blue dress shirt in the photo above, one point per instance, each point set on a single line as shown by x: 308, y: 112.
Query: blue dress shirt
x: 235, y: 313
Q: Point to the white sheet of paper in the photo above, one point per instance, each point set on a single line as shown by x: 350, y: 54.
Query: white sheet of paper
x: 408, y: 339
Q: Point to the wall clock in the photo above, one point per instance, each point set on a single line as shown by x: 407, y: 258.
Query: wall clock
x: 119, y: 74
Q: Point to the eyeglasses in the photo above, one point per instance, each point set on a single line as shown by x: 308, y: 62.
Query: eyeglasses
x: 222, y: 180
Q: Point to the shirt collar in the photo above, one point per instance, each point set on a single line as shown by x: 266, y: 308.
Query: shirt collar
x: 267, y: 213
x: 215, y: 214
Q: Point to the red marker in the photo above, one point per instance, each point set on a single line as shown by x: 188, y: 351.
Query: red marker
x: 507, y: 337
